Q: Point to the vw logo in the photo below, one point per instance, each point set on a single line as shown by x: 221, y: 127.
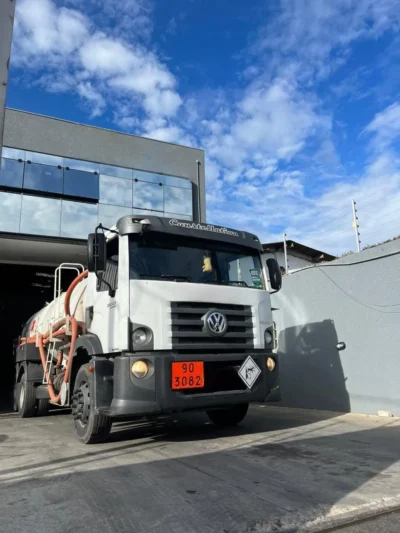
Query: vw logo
x: 216, y: 323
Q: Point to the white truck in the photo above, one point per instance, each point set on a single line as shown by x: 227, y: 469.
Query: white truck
x: 170, y: 316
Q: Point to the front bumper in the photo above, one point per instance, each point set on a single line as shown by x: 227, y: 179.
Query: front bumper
x: 132, y: 397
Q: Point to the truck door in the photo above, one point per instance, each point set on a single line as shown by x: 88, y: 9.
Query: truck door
x: 105, y: 309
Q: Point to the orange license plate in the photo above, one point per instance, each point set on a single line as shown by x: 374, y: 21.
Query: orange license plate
x: 188, y: 375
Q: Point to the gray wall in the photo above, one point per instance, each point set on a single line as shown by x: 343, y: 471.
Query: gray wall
x: 7, y: 8
x: 38, y: 133
x: 355, y: 300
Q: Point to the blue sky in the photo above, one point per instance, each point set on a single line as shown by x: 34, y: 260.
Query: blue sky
x: 296, y: 102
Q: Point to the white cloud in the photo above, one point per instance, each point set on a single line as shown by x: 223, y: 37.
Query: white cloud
x: 313, y: 37
x: 131, y: 19
x: 276, y: 119
x: 106, y: 57
x: 164, y: 103
x: 70, y: 53
x: 385, y: 126
x: 171, y: 134
x: 93, y: 97
x: 42, y: 29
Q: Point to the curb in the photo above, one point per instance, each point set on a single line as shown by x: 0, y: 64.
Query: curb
x: 358, y: 514
x: 324, y: 523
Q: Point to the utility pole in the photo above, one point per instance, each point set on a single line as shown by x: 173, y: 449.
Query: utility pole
x: 285, y: 252
x: 355, y: 224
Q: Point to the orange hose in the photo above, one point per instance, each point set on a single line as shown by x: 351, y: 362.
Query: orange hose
x: 74, y: 334
x: 55, y: 332
x: 75, y: 282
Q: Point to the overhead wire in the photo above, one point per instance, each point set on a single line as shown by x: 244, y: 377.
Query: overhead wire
x: 366, y: 260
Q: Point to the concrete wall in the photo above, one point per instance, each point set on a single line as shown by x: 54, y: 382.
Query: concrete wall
x: 355, y: 300
x: 52, y: 136
x: 7, y: 8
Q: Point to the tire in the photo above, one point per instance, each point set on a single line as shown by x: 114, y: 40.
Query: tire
x: 230, y: 416
x: 90, y: 427
x: 15, y: 399
x: 26, y: 398
x: 42, y: 407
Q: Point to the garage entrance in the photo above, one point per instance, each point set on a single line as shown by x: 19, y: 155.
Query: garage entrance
x: 24, y: 290
x: 26, y: 284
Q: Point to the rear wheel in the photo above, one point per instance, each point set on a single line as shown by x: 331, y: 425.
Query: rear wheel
x: 26, y: 398
x: 42, y: 407
x: 230, y: 416
x: 15, y: 399
x: 90, y: 426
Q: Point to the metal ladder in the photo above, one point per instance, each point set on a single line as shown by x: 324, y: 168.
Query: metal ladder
x: 79, y: 268
x: 49, y: 362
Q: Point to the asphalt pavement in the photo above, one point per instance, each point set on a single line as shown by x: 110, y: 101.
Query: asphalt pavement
x: 281, y: 470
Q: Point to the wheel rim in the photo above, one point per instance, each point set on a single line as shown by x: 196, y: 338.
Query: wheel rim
x: 81, y: 404
x: 21, y: 396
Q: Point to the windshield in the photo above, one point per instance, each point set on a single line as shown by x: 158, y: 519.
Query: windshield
x: 166, y: 257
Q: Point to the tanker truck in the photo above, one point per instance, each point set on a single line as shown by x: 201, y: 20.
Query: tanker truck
x: 170, y: 316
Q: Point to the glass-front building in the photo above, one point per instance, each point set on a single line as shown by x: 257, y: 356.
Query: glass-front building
x: 56, y: 196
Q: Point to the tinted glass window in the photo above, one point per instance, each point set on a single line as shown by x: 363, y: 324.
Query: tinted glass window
x: 40, y: 216
x: 178, y: 200
x: 118, y: 172
x: 148, y: 176
x: 10, y: 211
x: 13, y: 153
x: 79, y: 183
x: 44, y: 159
x: 177, y: 182
x: 148, y: 195
x: 137, y: 211
x: 110, y: 214
x: 43, y: 178
x: 78, y: 220
x: 11, y: 173
x: 77, y: 164
x: 115, y: 191
x: 178, y: 216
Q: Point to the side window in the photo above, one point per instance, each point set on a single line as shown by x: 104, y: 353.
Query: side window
x: 109, y: 278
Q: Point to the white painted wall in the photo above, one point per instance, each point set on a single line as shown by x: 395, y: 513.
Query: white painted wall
x: 294, y: 262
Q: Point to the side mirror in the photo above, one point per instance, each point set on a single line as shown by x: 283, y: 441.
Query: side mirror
x: 96, y: 248
x: 275, y: 274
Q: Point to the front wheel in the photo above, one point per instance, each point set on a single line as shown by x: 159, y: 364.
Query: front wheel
x: 230, y: 416
x: 90, y: 426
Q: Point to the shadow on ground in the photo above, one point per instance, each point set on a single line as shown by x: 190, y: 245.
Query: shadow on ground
x: 167, y: 485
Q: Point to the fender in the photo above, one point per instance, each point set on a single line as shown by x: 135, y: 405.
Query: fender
x: 91, y: 343
x: 33, y: 371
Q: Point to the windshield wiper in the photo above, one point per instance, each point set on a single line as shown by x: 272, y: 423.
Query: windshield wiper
x: 166, y: 276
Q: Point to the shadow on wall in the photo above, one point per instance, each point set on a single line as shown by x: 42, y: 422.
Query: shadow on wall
x: 311, y: 373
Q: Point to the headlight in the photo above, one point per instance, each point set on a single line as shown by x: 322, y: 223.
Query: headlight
x: 140, y: 369
x: 140, y: 336
x: 270, y: 363
x: 268, y: 337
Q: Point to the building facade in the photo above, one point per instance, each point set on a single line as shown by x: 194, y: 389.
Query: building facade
x: 58, y: 180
